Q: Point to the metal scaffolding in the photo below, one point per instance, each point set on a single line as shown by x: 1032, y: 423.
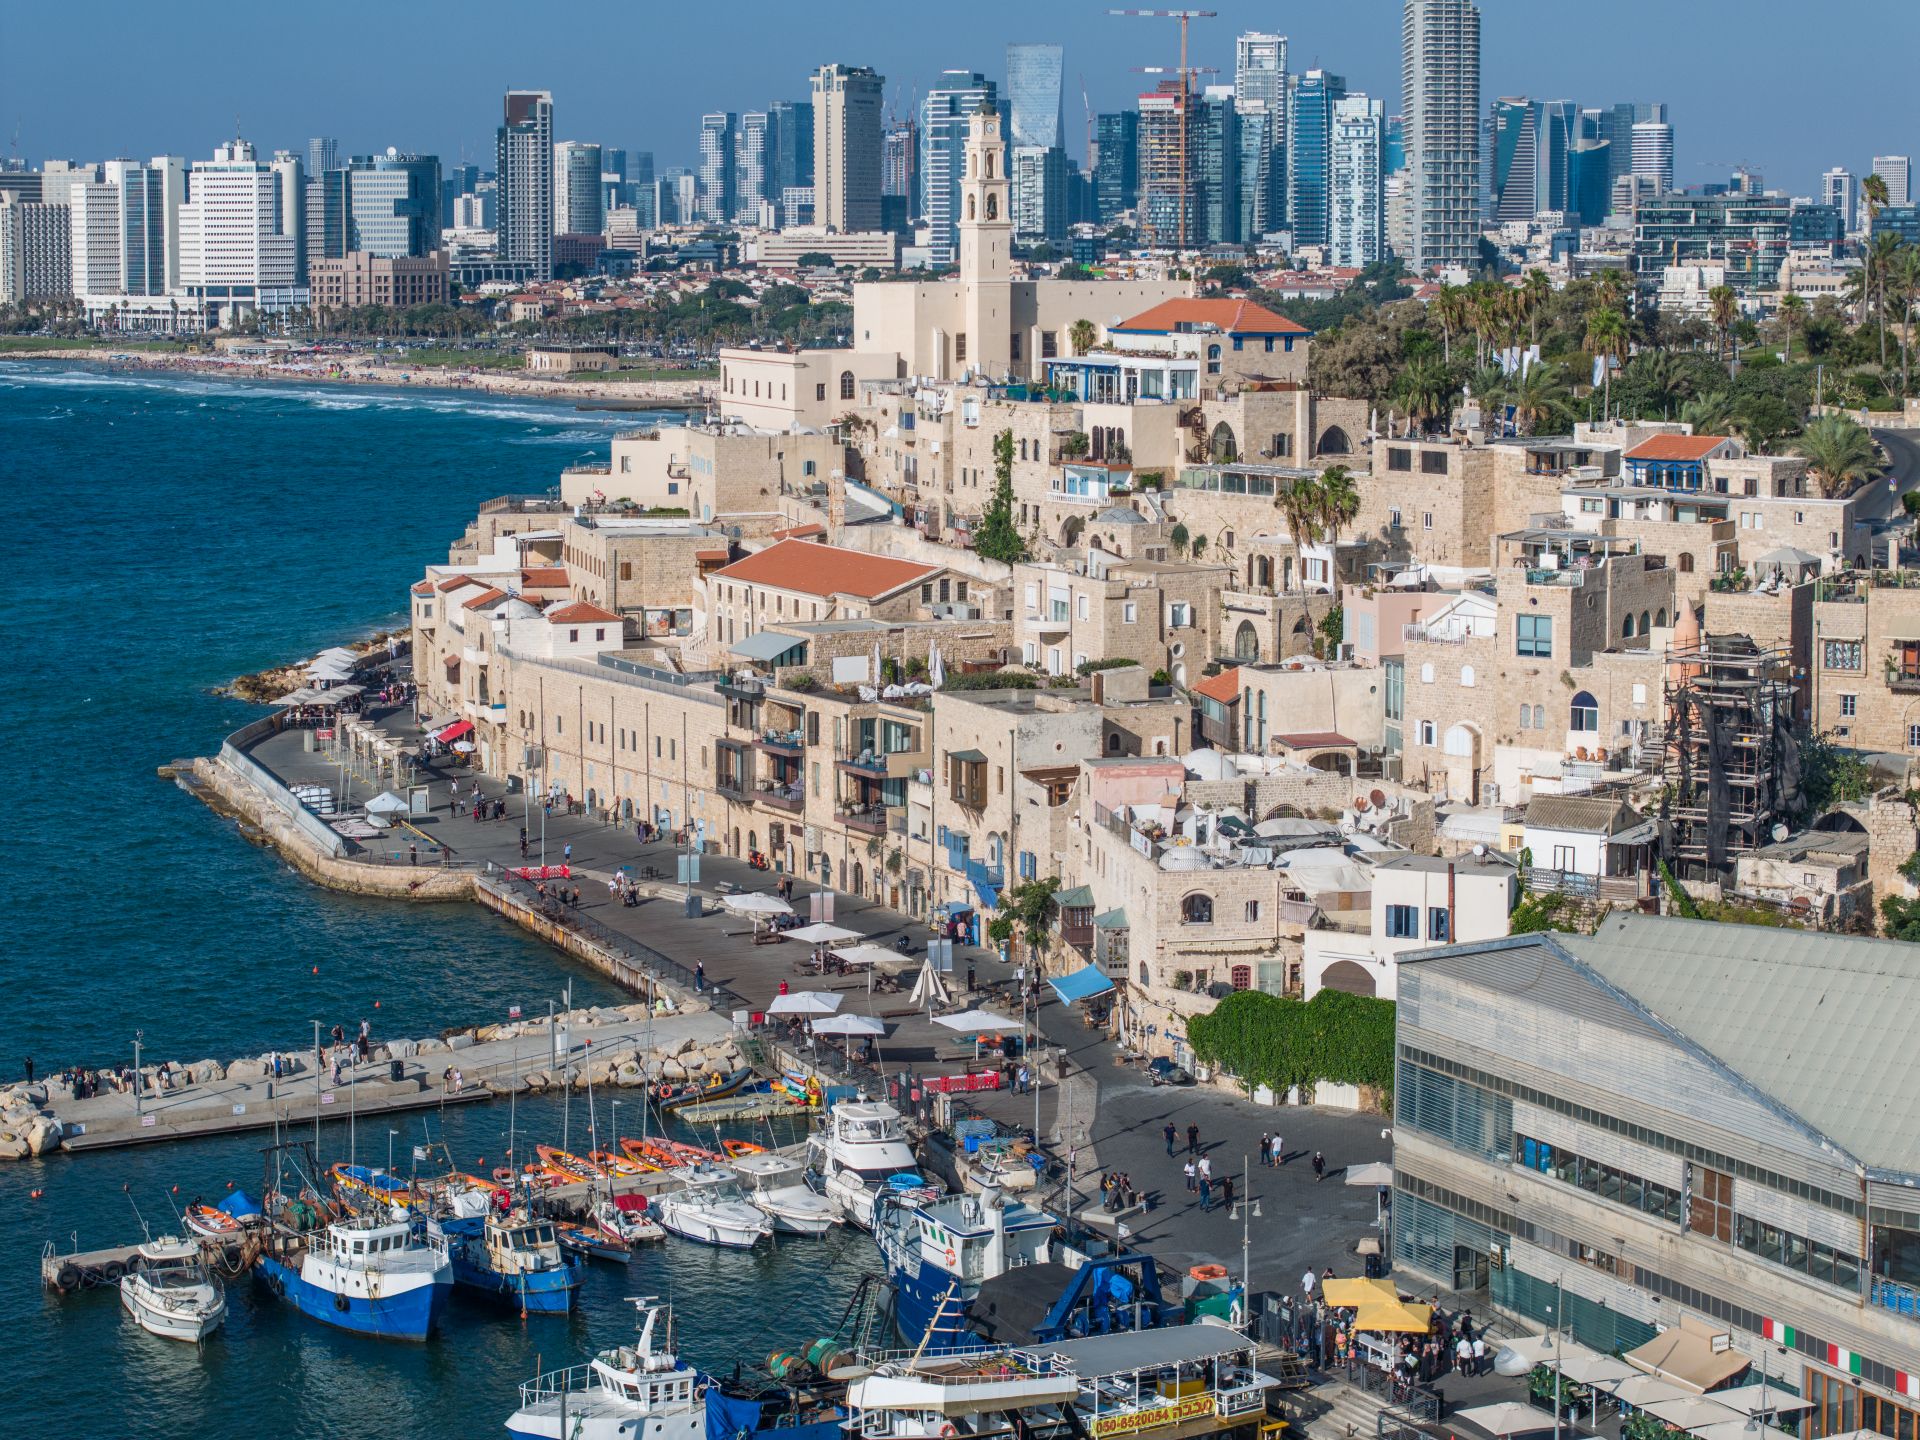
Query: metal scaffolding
x: 1731, y: 762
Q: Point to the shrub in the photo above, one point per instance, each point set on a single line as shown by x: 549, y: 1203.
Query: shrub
x: 1279, y: 1042
x: 1114, y: 662
x: 990, y: 680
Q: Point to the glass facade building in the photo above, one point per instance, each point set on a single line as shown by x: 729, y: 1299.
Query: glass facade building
x: 943, y: 141
x: 1033, y: 95
x: 387, y: 205
x: 1116, y: 168
x: 1310, y: 155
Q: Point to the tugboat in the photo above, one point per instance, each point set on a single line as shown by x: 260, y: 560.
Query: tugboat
x: 861, y: 1153
x: 365, y: 1274
x: 513, y: 1257
x: 171, y: 1294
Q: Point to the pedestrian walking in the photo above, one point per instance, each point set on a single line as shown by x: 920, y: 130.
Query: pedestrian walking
x: 1172, y: 1135
x: 1206, y: 1168
x: 1265, y: 1141
x: 700, y: 977
x: 1479, y: 1355
x: 1319, y: 1166
x: 566, y: 852
x: 1193, y: 1139
x: 1026, y: 1079
x: 1191, y: 1172
x: 413, y: 853
x: 1279, y: 1152
x: 1226, y: 1190
x: 1206, y: 1194
x: 1463, y: 1355
x: 1307, y: 1279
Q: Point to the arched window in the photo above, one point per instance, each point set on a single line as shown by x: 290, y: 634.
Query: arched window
x: 993, y: 201
x: 1113, y: 742
x: 1213, y: 359
x: 1661, y: 618
x: 1426, y: 673
x: 1197, y: 909
x: 1539, y: 717
x: 846, y: 385
x: 1225, y: 450
x: 1466, y: 676
x: 970, y: 210
x: 1626, y: 627
x: 1686, y: 563
x: 1335, y: 442
x: 1526, y: 717
x: 1458, y: 741
x: 1246, y: 642
x: 1644, y: 625
x: 1586, y: 713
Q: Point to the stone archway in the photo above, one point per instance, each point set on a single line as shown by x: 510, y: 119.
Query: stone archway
x: 1335, y: 441
x: 1348, y: 978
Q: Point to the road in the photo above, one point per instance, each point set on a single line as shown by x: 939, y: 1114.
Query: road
x: 1882, y: 502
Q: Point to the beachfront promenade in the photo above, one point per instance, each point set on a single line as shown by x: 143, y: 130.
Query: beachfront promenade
x: 1105, y: 1112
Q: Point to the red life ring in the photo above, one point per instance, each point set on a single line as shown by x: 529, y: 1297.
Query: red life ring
x: 666, y: 1092
x: 950, y: 1260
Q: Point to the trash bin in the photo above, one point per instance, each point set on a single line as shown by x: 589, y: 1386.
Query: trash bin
x: 396, y: 1070
x: 693, y: 906
x: 1373, y: 1267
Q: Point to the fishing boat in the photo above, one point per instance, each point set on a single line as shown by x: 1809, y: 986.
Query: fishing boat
x: 860, y: 1153
x: 170, y: 1293
x: 566, y: 1164
x: 593, y: 1241
x: 626, y: 1217
x: 710, y: 1208
x: 737, y: 1148
x: 672, y: 1094
x: 617, y: 1167
x: 367, y: 1188
x: 365, y: 1274
x: 777, y: 1186
x: 211, y: 1222
x: 515, y: 1258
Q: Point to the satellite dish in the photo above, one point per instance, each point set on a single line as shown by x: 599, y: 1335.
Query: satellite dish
x: 1479, y: 850
x: 1780, y: 832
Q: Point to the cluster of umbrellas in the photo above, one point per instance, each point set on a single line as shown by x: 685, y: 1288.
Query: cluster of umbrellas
x: 821, y: 1010
x: 1378, y: 1306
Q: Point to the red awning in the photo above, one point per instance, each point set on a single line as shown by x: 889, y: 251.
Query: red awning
x: 453, y: 732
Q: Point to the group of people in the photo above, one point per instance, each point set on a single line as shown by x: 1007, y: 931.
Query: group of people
x: 551, y: 899
x: 1273, y: 1155
x: 1117, y: 1193
x: 343, y: 1052
x: 476, y: 804
x: 622, y: 889
x: 1200, y: 1181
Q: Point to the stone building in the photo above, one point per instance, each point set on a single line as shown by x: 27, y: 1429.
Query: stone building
x: 1866, y: 661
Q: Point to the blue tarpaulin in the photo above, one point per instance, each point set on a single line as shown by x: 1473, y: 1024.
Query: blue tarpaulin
x: 1089, y: 980
x: 240, y: 1206
x: 729, y: 1418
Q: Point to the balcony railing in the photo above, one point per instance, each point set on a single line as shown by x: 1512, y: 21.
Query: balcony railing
x: 870, y: 818
x: 865, y: 762
x: 1434, y: 634
x: 1892, y: 1295
x: 785, y: 741
x: 784, y: 797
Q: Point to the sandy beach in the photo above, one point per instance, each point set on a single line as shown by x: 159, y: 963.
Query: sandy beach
x: 369, y: 370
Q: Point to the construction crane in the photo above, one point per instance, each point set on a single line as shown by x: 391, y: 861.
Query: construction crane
x: 1088, y: 105
x: 1186, y: 90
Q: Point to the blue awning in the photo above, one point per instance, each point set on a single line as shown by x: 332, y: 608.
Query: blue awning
x: 1082, y: 984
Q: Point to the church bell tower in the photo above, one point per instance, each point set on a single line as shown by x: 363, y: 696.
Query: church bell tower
x: 986, y: 240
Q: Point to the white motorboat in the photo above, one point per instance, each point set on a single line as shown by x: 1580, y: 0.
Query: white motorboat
x: 710, y: 1208
x: 861, y: 1151
x: 632, y: 1226
x: 171, y: 1293
x: 632, y: 1392
x: 777, y: 1186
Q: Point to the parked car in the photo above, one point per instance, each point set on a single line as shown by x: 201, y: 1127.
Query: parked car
x: 1162, y: 1071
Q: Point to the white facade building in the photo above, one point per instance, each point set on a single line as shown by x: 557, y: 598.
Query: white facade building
x: 1840, y: 189
x: 1653, y: 154
x: 1357, y: 219
x: 1417, y: 901
x: 36, y: 244
x: 232, y: 247
x: 1897, y: 171
x: 1440, y: 99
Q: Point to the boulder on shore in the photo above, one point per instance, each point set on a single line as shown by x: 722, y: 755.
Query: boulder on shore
x: 44, y: 1137
x: 432, y: 1045
x: 463, y: 1040
x: 401, y: 1049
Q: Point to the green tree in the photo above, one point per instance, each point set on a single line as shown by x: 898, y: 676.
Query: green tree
x: 1607, y: 337
x: 1450, y: 309
x: 1793, y: 315
x: 1301, y: 509
x: 1025, y: 911
x: 1426, y: 391
x: 1838, y: 451
x: 1724, y: 308
x: 1831, y: 776
x: 1081, y: 335
x: 997, y: 537
x: 1336, y: 500
x: 1178, y: 537
x: 1538, y: 396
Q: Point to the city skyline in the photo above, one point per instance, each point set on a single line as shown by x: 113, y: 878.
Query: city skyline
x: 1646, y: 51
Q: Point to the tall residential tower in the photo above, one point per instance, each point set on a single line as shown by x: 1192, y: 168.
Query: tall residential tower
x: 1440, y: 99
x: 524, y: 170
x: 846, y: 147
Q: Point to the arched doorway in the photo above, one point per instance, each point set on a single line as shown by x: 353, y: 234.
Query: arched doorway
x: 1461, y: 746
x: 1335, y: 442
x: 859, y: 878
x: 1223, y: 448
x: 1348, y: 978
x: 1246, y: 642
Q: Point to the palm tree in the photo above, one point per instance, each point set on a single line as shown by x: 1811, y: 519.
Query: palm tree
x: 1426, y: 390
x: 1450, y: 309
x: 1724, y: 307
x: 1081, y: 334
x: 1793, y: 314
x: 1534, y: 293
x: 1488, y: 301
x: 1610, y: 289
x: 1338, y: 500
x: 1880, y: 258
x: 1536, y: 395
x: 1838, y: 451
x: 1662, y: 379
x: 1710, y: 414
x: 1607, y: 338
x: 1300, y: 508
x: 1873, y: 195
x: 1904, y: 273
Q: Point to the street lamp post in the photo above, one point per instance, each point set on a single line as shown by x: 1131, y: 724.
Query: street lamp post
x: 138, y: 1036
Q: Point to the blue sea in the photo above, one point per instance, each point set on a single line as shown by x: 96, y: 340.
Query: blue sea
x: 172, y: 532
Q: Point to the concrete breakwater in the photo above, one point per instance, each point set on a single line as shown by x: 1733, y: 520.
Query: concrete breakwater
x: 624, y: 1046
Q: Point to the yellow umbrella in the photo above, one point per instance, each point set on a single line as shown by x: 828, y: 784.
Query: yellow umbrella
x: 1394, y: 1315
x: 1352, y: 1294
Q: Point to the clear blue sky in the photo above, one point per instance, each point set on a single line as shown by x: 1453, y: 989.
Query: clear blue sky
x: 1789, y: 87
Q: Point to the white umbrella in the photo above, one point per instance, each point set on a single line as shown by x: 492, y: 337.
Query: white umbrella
x: 863, y: 954
x: 849, y: 1025
x: 1508, y: 1417
x: 388, y: 803
x: 1378, y: 1173
x: 462, y: 747
x: 819, y: 934
x: 977, y: 1022
x: 804, y: 1002
x: 936, y: 667
x: 930, y: 989
x: 755, y: 903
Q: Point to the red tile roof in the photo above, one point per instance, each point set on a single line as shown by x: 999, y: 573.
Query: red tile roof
x: 423, y: 587
x: 1242, y: 316
x: 800, y: 532
x: 486, y: 597
x: 816, y: 569
x: 1224, y: 687
x: 1676, y: 447
x: 581, y: 613
x: 456, y: 582
x: 544, y: 577
x: 711, y: 554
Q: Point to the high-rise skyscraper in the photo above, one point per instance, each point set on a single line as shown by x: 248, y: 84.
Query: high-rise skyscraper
x: 1213, y: 152
x: 1260, y: 68
x: 1526, y: 157
x: 1897, y: 171
x: 1840, y: 189
x: 1033, y: 95
x: 1166, y: 197
x: 323, y: 154
x: 523, y: 171
x: 292, y: 197
x: 846, y: 147
x: 232, y: 246
x: 1440, y: 98
x: 792, y: 122
x: 578, y: 199
x: 1040, y: 196
x: 1589, y: 180
x: 385, y: 205
x: 944, y: 112
x: 173, y: 194
x: 1116, y: 165
x: 719, y: 144
x: 752, y: 166
x: 1310, y: 155
x: 1357, y: 220
x: 1653, y: 154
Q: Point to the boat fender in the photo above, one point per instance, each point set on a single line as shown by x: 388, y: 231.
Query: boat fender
x: 276, y: 1285
x: 112, y: 1271
x: 340, y: 1302
x: 66, y: 1278
x: 947, y: 1432
x: 136, y: 1262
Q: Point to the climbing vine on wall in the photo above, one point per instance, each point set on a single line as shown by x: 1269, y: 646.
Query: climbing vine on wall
x: 1279, y: 1042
